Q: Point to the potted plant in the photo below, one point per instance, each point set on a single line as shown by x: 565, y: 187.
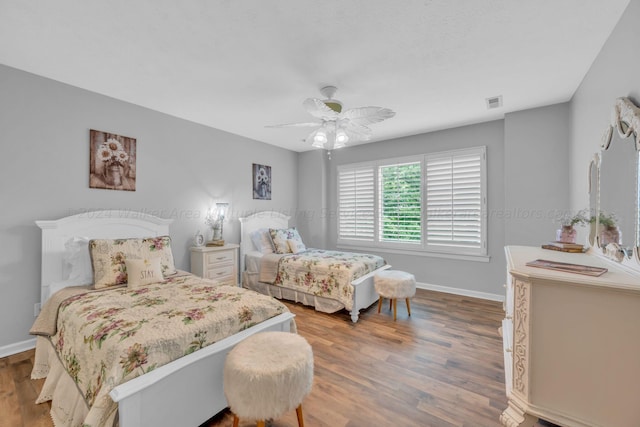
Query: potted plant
x: 567, y: 233
x: 607, y: 230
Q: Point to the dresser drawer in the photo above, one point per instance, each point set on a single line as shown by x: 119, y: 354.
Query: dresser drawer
x: 217, y: 258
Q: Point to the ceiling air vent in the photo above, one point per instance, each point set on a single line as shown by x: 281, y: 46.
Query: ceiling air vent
x: 494, y: 102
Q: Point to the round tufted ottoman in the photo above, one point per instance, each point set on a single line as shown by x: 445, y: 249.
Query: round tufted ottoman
x: 268, y: 374
x: 394, y: 284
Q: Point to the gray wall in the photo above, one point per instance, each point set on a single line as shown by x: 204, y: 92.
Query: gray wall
x: 536, y: 173
x: 613, y: 74
x: 468, y: 275
x: 312, y: 221
x: 182, y: 168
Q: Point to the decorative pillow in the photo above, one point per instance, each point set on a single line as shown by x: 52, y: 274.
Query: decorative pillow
x: 141, y: 272
x: 78, y: 261
x: 108, y: 257
x: 279, y: 238
x: 296, y: 246
x: 262, y: 240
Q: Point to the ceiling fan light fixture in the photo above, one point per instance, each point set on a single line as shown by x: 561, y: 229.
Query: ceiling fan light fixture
x: 320, y: 137
x: 341, y: 137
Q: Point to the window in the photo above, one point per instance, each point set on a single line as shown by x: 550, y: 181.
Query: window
x: 433, y: 203
x: 400, y: 202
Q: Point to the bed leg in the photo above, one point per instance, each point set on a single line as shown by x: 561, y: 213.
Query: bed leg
x: 354, y: 315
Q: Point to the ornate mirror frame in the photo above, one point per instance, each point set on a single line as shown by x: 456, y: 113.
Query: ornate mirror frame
x: 625, y: 118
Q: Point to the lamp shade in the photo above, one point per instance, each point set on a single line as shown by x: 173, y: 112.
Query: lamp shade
x: 222, y: 209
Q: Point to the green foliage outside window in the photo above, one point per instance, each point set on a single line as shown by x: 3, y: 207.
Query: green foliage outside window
x: 401, y: 201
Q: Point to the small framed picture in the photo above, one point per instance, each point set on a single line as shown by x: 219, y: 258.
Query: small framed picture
x: 112, y: 161
x: 261, y: 182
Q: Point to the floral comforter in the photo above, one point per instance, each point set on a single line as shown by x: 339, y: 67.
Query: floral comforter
x: 326, y: 273
x: 105, y: 338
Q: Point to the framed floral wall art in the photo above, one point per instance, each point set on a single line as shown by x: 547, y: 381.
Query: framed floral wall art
x: 261, y: 182
x: 112, y: 161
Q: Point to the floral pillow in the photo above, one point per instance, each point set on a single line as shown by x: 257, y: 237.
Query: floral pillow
x: 280, y: 238
x: 108, y: 257
x: 296, y: 246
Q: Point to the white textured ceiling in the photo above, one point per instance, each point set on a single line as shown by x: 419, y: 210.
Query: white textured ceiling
x: 239, y: 65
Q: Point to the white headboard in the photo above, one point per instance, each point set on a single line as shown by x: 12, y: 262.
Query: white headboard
x: 251, y: 223
x: 93, y: 225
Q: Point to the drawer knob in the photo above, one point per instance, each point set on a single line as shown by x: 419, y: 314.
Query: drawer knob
x: 509, y: 317
x: 508, y: 350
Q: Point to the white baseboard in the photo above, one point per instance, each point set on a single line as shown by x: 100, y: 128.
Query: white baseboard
x: 459, y: 291
x: 19, y: 347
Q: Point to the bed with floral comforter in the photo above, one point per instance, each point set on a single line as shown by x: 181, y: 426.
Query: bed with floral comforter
x: 319, y: 272
x: 104, y: 338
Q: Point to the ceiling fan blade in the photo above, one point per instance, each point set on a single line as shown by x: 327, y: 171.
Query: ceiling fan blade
x: 355, y: 128
x: 356, y: 136
x: 368, y: 115
x: 296, y: 125
x: 317, y: 108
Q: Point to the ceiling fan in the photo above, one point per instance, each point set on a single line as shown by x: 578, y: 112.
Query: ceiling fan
x: 334, y: 127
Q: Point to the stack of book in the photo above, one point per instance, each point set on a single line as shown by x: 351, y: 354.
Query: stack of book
x: 564, y: 247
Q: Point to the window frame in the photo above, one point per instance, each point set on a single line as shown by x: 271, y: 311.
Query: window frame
x: 421, y: 248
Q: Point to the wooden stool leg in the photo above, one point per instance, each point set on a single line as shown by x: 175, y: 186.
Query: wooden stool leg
x: 390, y: 303
x: 260, y: 423
x: 236, y: 420
x: 299, y: 413
x: 379, y: 304
x: 395, y: 306
x: 408, y: 307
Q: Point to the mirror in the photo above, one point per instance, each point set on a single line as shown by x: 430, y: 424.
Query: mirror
x: 594, y: 189
x: 617, y: 204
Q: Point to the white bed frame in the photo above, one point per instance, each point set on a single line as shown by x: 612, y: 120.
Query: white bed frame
x: 185, y: 392
x: 364, y: 293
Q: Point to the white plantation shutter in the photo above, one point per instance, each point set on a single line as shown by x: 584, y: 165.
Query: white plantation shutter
x: 400, y: 202
x: 356, y: 203
x: 455, y: 200
x: 433, y: 203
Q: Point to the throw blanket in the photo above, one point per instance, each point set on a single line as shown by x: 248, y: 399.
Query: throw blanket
x: 319, y: 272
x: 106, y: 338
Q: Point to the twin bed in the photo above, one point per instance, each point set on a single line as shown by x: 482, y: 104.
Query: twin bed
x: 327, y: 280
x: 152, y: 354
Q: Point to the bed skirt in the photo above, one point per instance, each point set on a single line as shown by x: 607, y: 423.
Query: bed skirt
x: 322, y: 304
x: 68, y: 406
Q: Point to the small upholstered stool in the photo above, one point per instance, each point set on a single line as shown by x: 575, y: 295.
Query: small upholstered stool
x: 394, y: 284
x: 268, y: 374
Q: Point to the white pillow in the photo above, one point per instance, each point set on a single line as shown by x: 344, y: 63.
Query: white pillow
x: 262, y: 240
x: 296, y: 246
x: 78, y: 261
x: 141, y: 272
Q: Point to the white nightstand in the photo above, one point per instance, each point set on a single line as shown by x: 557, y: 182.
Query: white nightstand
x: 218, y: 263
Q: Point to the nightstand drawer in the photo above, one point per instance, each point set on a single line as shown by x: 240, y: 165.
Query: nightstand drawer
x: 219, y: 263
x: 220, y: 273
x: 217, y: 258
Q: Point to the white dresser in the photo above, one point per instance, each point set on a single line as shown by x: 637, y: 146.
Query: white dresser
x: 218, y: 263
x: 571, y: 342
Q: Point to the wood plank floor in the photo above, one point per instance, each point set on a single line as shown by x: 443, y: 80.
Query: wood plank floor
x: 440, y: 367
